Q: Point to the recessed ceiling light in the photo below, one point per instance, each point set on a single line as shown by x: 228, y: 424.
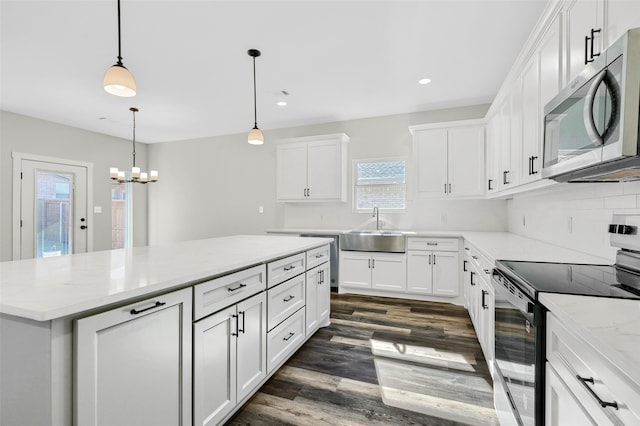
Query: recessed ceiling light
x: 424, y: 81
x: 281, y: 103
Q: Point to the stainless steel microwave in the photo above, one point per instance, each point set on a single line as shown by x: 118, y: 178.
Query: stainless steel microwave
x: 591, y: 127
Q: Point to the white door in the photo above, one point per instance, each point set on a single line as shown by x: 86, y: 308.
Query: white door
x: 562, y: 407
x: 291, y: 171
x: 389, y: 272
x: 430, y: 148
x: 252, y: 344
x: 324, y: 295
x: 582, y: 17
x: 311, y: 293
x: 324, y: 172
x: 445, y: 273
x: 419, y: 272
x: 466, y: 165
x: 355, y: 269
x: 53, y: 209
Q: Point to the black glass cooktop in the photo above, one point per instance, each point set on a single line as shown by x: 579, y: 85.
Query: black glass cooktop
x: 588, y: 280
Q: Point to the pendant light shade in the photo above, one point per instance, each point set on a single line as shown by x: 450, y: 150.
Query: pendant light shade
x: 118, y: 80
x: 255, y: 135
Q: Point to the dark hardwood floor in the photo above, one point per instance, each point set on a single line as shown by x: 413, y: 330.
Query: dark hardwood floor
x: 383, y: 361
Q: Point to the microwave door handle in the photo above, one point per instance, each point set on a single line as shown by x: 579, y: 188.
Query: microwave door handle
x: 589, y: 120
x: 613, y: 90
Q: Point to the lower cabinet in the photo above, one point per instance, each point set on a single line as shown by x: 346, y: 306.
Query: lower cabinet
x: 583, y: 386
x: 133, y: 363
x: 283, y: 340
x: 229, y: 358
x: 318, y: 294
x: 377, y: 271
x: 433, y: 272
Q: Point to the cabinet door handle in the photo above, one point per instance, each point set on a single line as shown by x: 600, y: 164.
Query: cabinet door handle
x: 484, y: 294
x: 449, y: 188
x: 489, y: 187
x: 288, y: 268
x: 434, y: 258
x: 464, y: 265
x: 289, y: 336
x: 530, y: 165
x: 155, y: 305
x: 472, y: 275
x: 586, y: 50
x: 236, y: 317
x: 237, y: 288
x: 373, y: 263
x: 369, y: 263
x: 602, y: 403
x: 445, y: 188
x: 533, y: 169
x: 322, y: 277
x: 429, y: 259
x: 288, y: 298
x: 242, y: 329
x: 504, y: 177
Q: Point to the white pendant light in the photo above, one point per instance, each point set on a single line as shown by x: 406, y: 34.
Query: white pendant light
x: 255, y: 136
x: 136, y: 175
x: 118, y: 80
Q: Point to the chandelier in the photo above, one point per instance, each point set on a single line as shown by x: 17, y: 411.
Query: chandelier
x: 136, y: 176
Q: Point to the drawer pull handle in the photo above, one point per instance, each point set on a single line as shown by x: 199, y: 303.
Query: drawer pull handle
x: 602, y: 403
x: 237, y: 288
x: 432, y: 244
x: 288, y: 268
x: 156, y: 305
x: 486, y: 271
x: 475, y: 257
x: 286, y: 299
x: 318, y: 256
x: 291, y: 333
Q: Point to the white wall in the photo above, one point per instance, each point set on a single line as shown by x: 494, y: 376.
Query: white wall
x: 574, y: 215
x: 19, y: 133
x: 214, y: 186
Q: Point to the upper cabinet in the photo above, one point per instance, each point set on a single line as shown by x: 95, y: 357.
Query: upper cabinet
x: 449, y: 159
x: 312, y: 168
x: 569, y: 35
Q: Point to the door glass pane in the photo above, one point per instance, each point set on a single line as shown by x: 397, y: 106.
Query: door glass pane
x: 120, y: 216
x: 53, y: 214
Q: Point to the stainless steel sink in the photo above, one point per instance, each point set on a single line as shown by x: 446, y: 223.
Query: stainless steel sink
x: 374, y: 240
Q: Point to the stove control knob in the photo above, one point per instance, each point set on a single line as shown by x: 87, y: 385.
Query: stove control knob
x: 613, y: 228
x: 626, y: 230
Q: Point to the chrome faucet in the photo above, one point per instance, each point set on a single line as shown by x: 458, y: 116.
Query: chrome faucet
x: 376, y: 214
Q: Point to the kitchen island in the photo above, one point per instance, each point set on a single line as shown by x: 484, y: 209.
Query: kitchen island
x: 43, y: 302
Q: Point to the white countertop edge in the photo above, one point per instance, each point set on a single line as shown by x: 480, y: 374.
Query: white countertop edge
x: 621, y: 349
x: 156, y: 288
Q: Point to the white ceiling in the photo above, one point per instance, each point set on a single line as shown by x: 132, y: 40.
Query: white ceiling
x: 339, y: 60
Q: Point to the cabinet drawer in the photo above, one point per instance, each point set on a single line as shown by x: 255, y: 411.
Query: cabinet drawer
x: 317, y: 256
x: 283, y: 269
x: 283, y: 340
x: 433, y: 244
x: 481, y: 262
x: 571, y: 356
x: 211, y: 296
x: 285, y: 299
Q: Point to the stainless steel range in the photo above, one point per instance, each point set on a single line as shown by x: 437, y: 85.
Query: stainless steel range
x: 520, y: 317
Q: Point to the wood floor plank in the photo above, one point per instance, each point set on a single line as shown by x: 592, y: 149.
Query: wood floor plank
x: 382, y: 361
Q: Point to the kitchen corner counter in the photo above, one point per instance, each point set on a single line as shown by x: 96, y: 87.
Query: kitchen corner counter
x: 609, y: 326
x: 57, y: 287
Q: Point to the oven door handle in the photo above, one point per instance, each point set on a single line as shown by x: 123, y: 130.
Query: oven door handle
x: 524, y: 305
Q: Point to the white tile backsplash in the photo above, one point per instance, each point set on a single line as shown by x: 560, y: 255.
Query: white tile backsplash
x: 574, y: 216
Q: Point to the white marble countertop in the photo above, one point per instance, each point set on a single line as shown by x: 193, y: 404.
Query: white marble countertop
x: 609, y: 326
x: 494, y: 245
x: 57, y: 287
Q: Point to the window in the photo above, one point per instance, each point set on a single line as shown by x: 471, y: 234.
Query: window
x: 120, y: 216
x: 379, y: 183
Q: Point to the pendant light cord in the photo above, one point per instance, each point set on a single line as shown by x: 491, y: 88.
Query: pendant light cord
x: 119, y: 44
x: 134, y: 135
x: 255, y: 102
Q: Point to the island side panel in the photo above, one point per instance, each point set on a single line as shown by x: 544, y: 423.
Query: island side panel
x: 35, y: 372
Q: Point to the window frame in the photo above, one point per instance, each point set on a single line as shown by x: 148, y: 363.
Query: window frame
x: 354, y: 185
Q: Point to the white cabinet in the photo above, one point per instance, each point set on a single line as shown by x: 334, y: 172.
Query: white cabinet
x: 621, y: 15
x: 449, y: 159
x: 133, y: 363
x: 586, y: 385
x: 377, y: 271
x: 318, y: 293
x: 584, y: 19
x: 480, y: 297
x: 433, y: 266
x: 531, y: 122
x: 312, y: 168
x: 229, y: 358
